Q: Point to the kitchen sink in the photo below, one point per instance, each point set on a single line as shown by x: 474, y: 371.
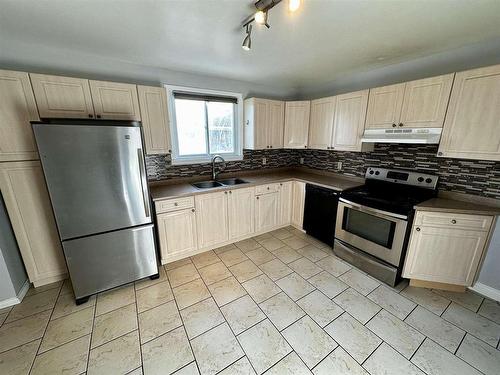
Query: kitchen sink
x: 206, y: 184
x: 233, y: 181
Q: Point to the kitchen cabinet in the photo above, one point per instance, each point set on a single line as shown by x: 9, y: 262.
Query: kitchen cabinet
x: 321, y: 123
x: 416, y: 104
x: 25, y: 194
x: 211, y: 218
x: 471, y: 129
x: 154, y: 114
x: 349, y: 122
x: 64, y: 97
x: 266, y: 211
x: 286, y: 201
x: 296, y: 124
x: 115, y: 101
x: 177, y: 233
x: 241, y: 212
x: 18, y: 108
x: 299, y: 196
x: 264, y: 122
x: 446, y: 248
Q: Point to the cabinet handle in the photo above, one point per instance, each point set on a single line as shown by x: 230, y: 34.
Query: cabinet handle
x: 281, y: 184
x: 440, y: 153
x: 91, y: 115
x: 271, y: 146
x: 257, y: 197
x: 400, y: 124
x: 98, y: 116
x: 225, y: 192
x: 192, y: 210
x: 268, y: 188
x: 169, y: 151
x: 417, y: 229
x: 230, y: 192
x: 394, y: 125
x: 176, y: 204
x: 453, y: 221
x: 305, y: 146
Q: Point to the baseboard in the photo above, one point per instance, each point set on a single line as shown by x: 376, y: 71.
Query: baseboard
x: 486, y: 291
x: 15, y: 300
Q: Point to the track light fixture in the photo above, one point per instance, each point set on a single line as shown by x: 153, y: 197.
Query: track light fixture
x: 260, y: 17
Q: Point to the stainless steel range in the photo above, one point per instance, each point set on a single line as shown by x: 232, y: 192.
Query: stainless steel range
x: 374, y: 220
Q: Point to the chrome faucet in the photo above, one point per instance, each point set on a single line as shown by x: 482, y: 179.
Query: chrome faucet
x: 214, y: 173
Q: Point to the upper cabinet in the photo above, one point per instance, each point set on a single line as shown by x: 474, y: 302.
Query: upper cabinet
x: 296, y: 124
x: 68, y: 97
x: 154, y: 114
x: 263, y: 123
x: 17, y: 109
x: 62, y: 96
x: 321, y: 123
x: 416, y: 104
x: 349, y: 123
x: 471, y: 129
x: 117, y: 101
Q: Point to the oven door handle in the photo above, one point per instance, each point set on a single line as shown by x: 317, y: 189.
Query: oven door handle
x: 372, y: 210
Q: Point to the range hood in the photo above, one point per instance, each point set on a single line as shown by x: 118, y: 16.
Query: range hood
x: 415, y: 135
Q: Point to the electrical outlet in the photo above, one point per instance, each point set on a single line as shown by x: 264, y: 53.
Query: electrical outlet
x: 339, y: 166
x: 301, y: 161
x: 264, y: 161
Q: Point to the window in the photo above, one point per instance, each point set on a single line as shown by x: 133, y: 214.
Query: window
x: 204, y: 123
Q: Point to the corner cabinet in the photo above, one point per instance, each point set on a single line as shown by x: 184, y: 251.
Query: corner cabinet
x: 154, y: 114
x: 18, y: 109
x: 296, y: 124
x: 264, y: 122
x: 446, y: 248
x: 286, y: 202
x: 299, y: 197
x: 472, y: 127
x: 27, y: 200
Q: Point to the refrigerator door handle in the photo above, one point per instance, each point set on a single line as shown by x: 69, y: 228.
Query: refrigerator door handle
x: 144, y: 182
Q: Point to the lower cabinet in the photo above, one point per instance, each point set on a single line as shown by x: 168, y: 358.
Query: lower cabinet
x: 211, y: 218
x: 299, y: 196
x: 241, y: 212
x: 27, y: 200
x: 266, y: 211
x: 446, y: 248
x: 286, y: 203
x: 177, y: 232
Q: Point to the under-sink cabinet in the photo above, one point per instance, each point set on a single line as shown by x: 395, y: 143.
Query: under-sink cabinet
x: 446, y: 248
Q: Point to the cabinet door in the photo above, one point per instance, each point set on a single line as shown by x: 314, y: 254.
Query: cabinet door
x: 349, y: 122
x: 444, y: 255
x: 28, y: 205
x: 266, y: 211
x: 425, y: 102
x: 256, y: 124
x: 276, y: 114
x: 471, y: 128
x: 321, y: 124
x: 64, y: 97
x: 154, y: 114
x: 286, y: 203
x: 299, y: 196
x: 211, y: 218
x: 177, y: 232
x: 384, y: 106
x: 296, y: 124
x: 115, y: 101
x: 18, y: 108
x: 241, y: 212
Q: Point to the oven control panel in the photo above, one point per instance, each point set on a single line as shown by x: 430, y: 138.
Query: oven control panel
x: 401, y: 176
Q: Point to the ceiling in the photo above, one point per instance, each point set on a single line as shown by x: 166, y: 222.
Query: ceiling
x: 324, y: 41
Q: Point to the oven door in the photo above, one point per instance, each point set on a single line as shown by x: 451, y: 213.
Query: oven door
x: 375, y: 232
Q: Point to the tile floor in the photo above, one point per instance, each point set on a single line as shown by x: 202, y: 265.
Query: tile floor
x: 279, y: 303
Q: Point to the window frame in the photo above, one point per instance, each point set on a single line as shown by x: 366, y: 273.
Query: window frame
x: 204, y: 158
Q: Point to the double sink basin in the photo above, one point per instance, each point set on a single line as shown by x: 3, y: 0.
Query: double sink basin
x: 218, y: 183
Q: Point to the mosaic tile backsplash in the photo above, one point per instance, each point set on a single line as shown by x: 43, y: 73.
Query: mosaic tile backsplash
x: 458, y: 175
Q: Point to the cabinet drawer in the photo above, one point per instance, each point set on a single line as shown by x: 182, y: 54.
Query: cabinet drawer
x: 269, y: 188
x: 450, y: 220
x: 174, y: 204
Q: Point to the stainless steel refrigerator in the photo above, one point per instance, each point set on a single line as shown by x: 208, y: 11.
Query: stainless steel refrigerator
x: 96, y: 177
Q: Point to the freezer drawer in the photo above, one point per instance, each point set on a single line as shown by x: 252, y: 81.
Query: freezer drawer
x: 104, y: 261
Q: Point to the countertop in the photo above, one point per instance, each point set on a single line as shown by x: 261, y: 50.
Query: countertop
x: 182, y: 187
x: 465, y: 204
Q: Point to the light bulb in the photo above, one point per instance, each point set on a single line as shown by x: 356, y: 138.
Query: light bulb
x: 293, y: 5
x: 260, y: 17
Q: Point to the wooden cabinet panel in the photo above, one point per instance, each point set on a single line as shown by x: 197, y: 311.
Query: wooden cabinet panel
x: 64, y: 97
x: 453, y: 220
x: 211, y: 218
x: 276, y: 114
x: 268, y: 188
x: 299, y: 196
x: 264, y: 121
x: 17, y: 109
x: 444, y: 255
x: 155, y: 123
x: 177, y: 232
x: 241, y: 212
x: 286, y: 203
x: 174, y: 204
x: 425, y: 102
x: 350, y: 114
x: 296, y: 124
x: 28, y: 205
x: 384, y: 106
x: 321, y: 123
x: 266, y: 211
x: 471, y: 127
x: 117, y: 101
